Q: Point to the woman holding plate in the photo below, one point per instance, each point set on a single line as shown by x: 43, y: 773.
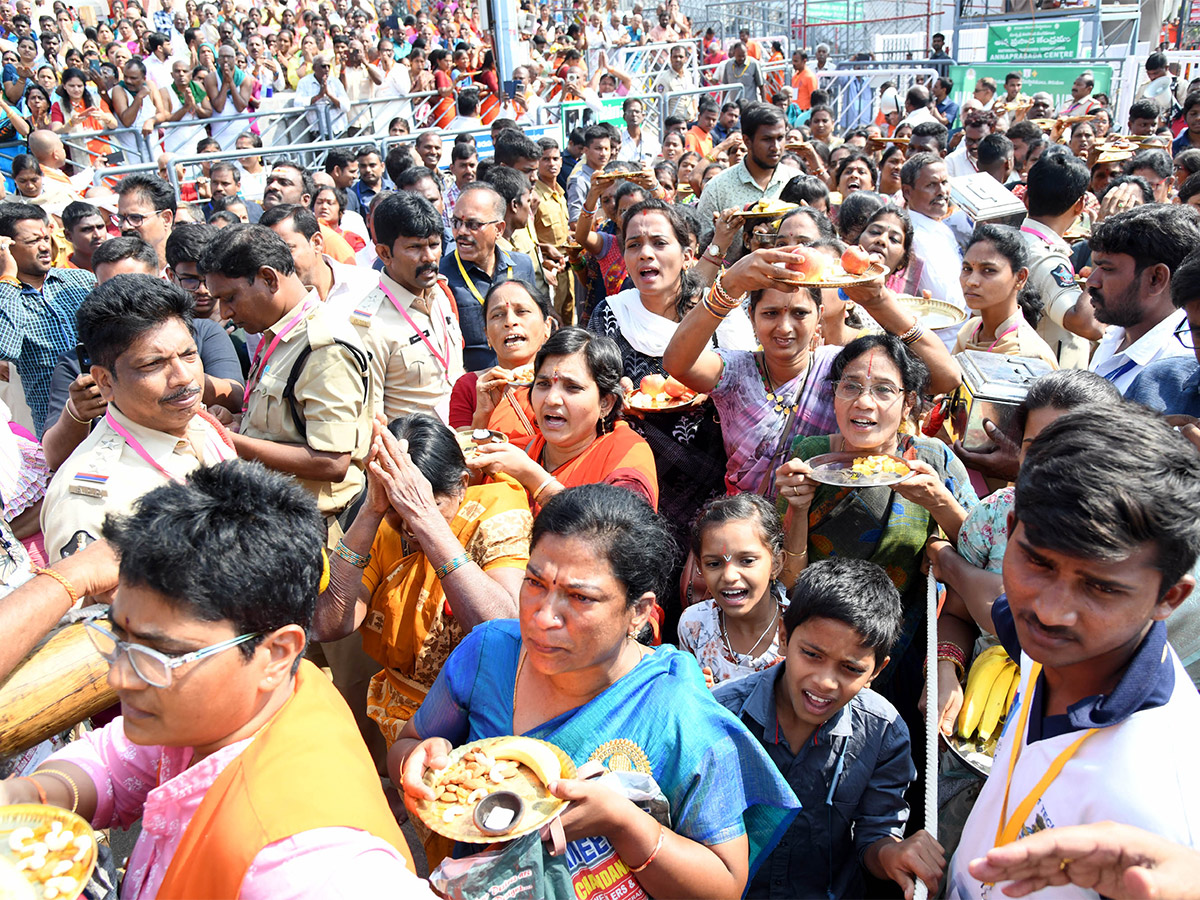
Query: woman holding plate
x: 567, y: 671
x: 767, y: 398
x: 517, y: 320
x: 876, y: 384
x: 577, y: 402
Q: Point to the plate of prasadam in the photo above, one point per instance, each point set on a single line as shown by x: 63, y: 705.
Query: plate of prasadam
x: 495, y: 789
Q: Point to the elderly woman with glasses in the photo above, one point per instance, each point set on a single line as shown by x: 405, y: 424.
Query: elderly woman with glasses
x: 877, y: 388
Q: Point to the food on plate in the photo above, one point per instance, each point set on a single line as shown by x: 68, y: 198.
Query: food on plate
x: 855, y: 260
x: 989, y: 694
x: 523, y: 375
x: 537, y: 756
x: 811, y: 264
x: 763, y: 207
x: 469, y: 439
x: 652, y: 384
x: 675, y: 389
x: 52, y: 857
x: 878, y: 465
x: 480, y: 773
x: 659, y: 392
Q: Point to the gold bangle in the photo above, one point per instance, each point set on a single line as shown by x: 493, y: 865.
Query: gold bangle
x: 61, y: 579
x: 71, y: 413
x: 803, y: 554
x: 68, y: 780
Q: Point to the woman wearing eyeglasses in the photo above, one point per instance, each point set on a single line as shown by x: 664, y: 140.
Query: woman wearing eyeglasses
x: 877, y: 385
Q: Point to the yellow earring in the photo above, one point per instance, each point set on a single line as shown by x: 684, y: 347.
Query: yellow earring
x: 324, y: 571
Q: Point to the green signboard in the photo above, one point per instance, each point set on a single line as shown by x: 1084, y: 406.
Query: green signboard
x: 1054, y: 78
x: 581, y: 115
x: 1044, y: 40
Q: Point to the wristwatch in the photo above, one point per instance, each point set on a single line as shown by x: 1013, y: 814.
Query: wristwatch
x: 715, y: 252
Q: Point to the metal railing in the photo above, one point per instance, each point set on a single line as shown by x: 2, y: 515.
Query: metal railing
x: 721, y: 93
x: 314, y: 149
x: 854, y: 93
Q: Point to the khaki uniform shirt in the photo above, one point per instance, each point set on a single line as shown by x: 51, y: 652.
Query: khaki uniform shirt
x: 332, y: 390
x: 408, y: 377
x: 1051, y: 273
x: 522, y: 241
x: 551, y: 221
x: 106, y: 475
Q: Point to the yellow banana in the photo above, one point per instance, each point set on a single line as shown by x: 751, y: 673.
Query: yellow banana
x: 534, y: 754
x: 995, y: 708
x: 983, y: 673
x: 1012, y: 691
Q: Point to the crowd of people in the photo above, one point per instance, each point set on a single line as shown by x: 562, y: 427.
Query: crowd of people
x: 486, y: 435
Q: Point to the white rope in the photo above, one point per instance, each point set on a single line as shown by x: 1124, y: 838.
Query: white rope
x: 931, y: 721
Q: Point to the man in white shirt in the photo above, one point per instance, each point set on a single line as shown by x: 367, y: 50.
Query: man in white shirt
x: 637, y: 144
x: 318, y: 88
x: 916, y: 106
x: 977, y: 124
x: 468, y: 118
x: 925, y: 184
x: 340, y: 286
x: 1134, y: 255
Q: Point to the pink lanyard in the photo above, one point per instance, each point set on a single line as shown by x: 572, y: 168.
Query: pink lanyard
x: 434, y: 313
x: 261, y: 366
x: 1029, y: 229
x: 136, y: 446
x: 1007, y: 332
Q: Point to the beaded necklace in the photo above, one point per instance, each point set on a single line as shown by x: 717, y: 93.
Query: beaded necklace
x: 780, y: 405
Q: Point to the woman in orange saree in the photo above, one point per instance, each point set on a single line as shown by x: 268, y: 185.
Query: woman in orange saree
x: 443, y: 107
x: 427, y: 558
x: 577, y: 399
x: 517, y: 319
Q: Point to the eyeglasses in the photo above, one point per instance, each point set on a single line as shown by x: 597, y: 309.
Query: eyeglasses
x: 1186, y: 335
x: 134, y: 219
x: 470, y: 224
x: 151, y: 666
x: 883, y: 394
x: 189, y: 282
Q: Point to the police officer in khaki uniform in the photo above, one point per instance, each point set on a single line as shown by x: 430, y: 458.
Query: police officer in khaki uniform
x: 136, y: 329
x: 1057, y: 183
x: 308, y: 405
x: 409, y: 322
x: 307, y: 409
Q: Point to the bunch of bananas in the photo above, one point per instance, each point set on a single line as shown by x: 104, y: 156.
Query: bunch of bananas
x: 988, y: 696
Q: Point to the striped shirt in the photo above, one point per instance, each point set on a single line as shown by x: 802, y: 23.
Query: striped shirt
x: 37, y: 326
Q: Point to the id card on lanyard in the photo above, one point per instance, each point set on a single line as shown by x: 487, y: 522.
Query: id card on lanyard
x: 435, y: 312
x: 467, y: 278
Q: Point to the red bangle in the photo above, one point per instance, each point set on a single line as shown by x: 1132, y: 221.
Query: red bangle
x: 41, y: 791
x: 662, y: 836
x: 953, y: 653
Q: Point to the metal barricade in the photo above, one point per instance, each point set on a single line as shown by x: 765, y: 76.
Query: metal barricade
x: 721, y: 93
x: 77, y: 140
x: 372, y: 117
x: 854, y: 93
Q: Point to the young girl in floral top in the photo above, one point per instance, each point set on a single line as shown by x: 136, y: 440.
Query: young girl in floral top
x: 738, y: 541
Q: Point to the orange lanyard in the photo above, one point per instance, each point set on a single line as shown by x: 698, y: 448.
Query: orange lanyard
x: 1009, y: 829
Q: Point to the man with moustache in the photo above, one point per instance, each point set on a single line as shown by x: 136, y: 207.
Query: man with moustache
x: 138, y: 331
x: 407, y: 322
x: 75, y: 398
x: 1135, y: 254
x: 925, y: 184
x: 290, y: 182
x: 146, y: 208
x: 477, y: 264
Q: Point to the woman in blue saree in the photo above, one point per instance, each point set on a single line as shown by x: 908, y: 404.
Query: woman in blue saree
x: 569, y: 672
